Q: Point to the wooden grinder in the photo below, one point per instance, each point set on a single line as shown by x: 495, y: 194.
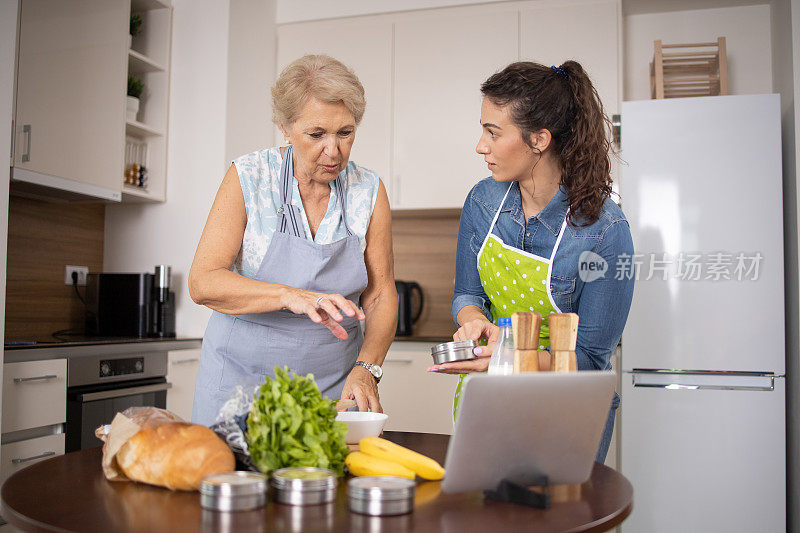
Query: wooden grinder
x: 561, y: 358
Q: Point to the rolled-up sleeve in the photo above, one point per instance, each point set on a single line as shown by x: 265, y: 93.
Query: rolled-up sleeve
x: 468, y: 288
x: 605, y: 302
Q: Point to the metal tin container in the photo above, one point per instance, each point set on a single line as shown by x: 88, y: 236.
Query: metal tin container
x: 381, y: 495
x: 233, y: 491
x: 452, y: 351
x: 304, y: 485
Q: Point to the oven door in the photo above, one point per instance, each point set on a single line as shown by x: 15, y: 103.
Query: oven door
x: 92, y: 406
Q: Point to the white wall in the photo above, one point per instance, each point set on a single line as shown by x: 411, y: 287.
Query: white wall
x: 137, y: 237
x: 294, y: 11
x: 251, y: 73
x: 746, y: 29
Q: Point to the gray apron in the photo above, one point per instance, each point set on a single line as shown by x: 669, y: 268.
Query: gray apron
x: 244, y: 349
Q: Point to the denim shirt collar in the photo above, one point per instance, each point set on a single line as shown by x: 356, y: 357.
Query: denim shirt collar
x: 551, y: 217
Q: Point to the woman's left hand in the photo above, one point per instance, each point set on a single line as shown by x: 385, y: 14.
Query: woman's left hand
x: 360, y: 386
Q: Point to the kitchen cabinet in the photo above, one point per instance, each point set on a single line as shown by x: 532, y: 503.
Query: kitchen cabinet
x: 21, y: 454
x: 182, y: 374
x: 440, y: 62
x: 365, y: 45
x: 34, y: 394
x: 414, y: 399
x: 69, y: 132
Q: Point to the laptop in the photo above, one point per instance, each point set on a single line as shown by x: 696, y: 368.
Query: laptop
x: 523, y: 426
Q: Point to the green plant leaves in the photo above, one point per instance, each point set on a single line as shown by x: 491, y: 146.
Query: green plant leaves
x: 291, y: 424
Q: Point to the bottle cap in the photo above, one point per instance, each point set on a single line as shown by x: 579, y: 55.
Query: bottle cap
x: 504, y: 321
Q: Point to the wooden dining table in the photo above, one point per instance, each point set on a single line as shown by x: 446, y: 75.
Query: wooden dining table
x: 69, y: 493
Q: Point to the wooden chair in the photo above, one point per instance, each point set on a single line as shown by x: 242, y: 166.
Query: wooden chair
x: 692, y: 69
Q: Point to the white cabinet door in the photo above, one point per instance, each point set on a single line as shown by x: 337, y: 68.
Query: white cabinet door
x: 414, y: 399
x: 182, y: 374
x: 34, y: 394
x: 587, y: 32
x: 365, y: 45
x: 71, y: 87
x: 21, y: 454
x: 440, y: 62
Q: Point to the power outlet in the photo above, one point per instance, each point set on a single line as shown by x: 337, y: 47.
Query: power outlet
x: 80, y: 270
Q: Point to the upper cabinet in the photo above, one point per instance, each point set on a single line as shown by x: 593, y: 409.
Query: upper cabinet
x: 422, y: 72
x: 69, y: 125
x: 71, y: 137
x: 440, y: 62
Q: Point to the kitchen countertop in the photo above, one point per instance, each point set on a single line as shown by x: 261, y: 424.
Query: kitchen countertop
x: 82, y: 346
x: 69, y: 493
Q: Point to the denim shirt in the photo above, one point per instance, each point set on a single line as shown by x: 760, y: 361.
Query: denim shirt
x: 602, y: 304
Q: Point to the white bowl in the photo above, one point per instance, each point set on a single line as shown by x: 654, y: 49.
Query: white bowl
x: 361, y: 424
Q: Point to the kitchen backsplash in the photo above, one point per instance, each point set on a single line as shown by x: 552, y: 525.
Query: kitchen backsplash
x: 43, y: 237
x: 425, y: 252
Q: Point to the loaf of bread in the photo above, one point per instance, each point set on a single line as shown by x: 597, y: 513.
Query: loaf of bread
x: 176, y: 455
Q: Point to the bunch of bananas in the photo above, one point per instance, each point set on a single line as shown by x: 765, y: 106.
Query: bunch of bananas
x: 380, y: 457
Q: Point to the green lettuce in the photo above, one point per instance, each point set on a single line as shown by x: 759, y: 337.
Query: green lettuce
x: 291, y: 424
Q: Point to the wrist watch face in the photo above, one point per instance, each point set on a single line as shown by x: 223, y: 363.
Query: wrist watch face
x: 376, y: 371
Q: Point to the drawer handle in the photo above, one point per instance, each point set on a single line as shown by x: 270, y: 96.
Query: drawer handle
x: 186, y: 361
x: 119, y: 393
x: 26, y: 129
x: 37, y: 378
x: 401, y: 361
x: 45, y: 454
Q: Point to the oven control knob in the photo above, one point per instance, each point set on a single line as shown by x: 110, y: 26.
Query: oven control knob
x: 139, y: 366
x: 105, y: 370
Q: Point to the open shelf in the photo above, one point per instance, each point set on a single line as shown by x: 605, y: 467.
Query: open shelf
x: 140, y: 63
x: 137, y: 129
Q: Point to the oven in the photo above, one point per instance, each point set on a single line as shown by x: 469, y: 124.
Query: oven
x: 98, y: 387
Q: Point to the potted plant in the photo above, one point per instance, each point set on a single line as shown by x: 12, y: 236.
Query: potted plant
x: 135, y: 88
x: 135, y: 27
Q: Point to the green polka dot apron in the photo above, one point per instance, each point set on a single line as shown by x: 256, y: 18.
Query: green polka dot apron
x: 515, y: 281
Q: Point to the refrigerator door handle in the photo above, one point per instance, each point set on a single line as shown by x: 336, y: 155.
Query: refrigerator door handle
x: 687, y: 380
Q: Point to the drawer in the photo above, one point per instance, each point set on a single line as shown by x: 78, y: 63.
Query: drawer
x: 414, y: 399
x: 17, y: 455
x: 34, y: 394
x: 182, y: 374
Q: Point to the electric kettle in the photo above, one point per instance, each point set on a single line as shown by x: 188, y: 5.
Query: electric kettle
x: 406, y: 318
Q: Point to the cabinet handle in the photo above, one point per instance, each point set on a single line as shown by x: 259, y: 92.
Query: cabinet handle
x: 37, y: 378
x: 401, y: 361
x: 26, y: 156
x: 186, y: 361
x: 45, y: 454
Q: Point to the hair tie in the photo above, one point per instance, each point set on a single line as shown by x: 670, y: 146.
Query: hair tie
x: 560, y: 71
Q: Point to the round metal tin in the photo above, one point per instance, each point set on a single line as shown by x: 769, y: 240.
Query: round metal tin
x: 449, y: 352
x: 381, y: 495
x: 304, y: 485
x: 233, y: 491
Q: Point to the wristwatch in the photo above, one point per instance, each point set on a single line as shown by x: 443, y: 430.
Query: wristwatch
x: 375, y: 370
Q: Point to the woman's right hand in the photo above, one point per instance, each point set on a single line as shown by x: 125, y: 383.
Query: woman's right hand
x: 325, y: 309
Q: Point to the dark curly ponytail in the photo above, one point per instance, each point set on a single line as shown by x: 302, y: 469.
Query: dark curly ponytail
x: 563, y: 101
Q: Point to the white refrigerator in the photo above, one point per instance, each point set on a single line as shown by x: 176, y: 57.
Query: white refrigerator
x: 703, y: 425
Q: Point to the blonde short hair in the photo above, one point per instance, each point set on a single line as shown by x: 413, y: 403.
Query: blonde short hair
x: 322, y: 77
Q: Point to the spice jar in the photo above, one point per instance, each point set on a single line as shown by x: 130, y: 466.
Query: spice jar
x: 304, y: 485
x: 381, y: 495
x: 233, y: 491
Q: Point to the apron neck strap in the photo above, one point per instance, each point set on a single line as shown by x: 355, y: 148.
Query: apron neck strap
x: 286, y: 210
x: 341, y: 192
x: 503, y: 201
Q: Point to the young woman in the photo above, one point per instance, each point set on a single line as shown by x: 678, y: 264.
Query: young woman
x: 528, y: 233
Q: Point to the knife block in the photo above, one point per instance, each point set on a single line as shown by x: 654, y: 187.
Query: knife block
x: 561, y: 358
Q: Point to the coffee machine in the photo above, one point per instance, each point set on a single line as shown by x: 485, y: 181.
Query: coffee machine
x: 130, y: 305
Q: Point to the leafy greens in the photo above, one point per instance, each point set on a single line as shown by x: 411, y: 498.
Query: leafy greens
x: 291, y: 424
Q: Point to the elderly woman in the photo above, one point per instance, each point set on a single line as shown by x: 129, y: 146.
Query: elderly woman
x: 297, y: 251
